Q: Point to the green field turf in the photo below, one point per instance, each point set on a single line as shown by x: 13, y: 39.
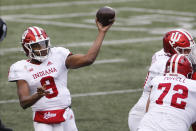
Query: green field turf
x: 134, y: 38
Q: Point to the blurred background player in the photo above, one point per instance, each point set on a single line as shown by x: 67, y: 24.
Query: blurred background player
x: 3, y: 30
x: 42, y: 79
x: 175, y: 41
x: 171, y: 104
x: 3, y: 33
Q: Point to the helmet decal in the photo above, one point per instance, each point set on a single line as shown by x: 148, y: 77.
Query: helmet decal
x: 174, y: 38
x: 178, y: 41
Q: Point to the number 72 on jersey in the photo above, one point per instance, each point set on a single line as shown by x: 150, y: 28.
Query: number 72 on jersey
x: 181, y: 93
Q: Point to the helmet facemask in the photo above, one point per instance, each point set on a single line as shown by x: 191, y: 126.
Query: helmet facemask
x: 181, y: 50
x: 39, y: 50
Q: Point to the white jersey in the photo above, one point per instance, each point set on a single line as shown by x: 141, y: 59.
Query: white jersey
x: 174, y: 96
x: 52, y: 73
x: 157, y: 67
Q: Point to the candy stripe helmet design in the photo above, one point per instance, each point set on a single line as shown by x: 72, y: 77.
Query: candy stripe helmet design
x: 36, y: 43
x: 179, y: 64
x: 178, y: 41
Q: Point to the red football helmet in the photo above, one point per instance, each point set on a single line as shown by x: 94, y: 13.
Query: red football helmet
x: 178, y: 41
x: 36, y: 43
x: 179, y: 64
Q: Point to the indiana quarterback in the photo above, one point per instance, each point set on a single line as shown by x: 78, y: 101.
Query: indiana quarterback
x: 42, y: 78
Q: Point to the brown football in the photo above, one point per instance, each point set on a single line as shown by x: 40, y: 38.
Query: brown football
x: 105, y: 15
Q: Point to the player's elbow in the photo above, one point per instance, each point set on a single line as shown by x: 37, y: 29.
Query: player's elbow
x: 90, y: 61
x: 90, y: 58
x: 23, y: 105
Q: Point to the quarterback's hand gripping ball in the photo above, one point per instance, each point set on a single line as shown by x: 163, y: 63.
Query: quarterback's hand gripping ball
x: 105, y: 15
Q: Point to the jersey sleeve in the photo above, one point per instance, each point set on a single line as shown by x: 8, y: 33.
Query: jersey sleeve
x: 149, y: 77
x: 152, y: 72
x: 62, y: 52
x: 155, y: 64
x: 157, y: 67
x: 158, y: 63
x: 15, y: 73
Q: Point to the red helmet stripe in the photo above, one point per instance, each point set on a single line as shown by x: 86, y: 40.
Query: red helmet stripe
x: 34, y: 33
x: 171, y: 63
x: 37, y: 31
x: 176, y: 63
x: 188, y: 35
x: 44, y: 34
x: 172, y: 67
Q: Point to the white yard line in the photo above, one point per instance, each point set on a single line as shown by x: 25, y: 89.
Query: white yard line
x: 86, y: 94
x: 115, y: 42
x: 74, y: 25
x: 106, y: 93
x: 109, y: 61
x: 79, y: 14
x: 157, y: 11
x: 55, y: 23
x: 3, y: 51
x: 49, y: 16
x: 61, y: 4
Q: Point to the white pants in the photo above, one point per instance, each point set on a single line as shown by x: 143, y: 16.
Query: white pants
x: 160, y: 121
x: 138, y: 111
x: 68, y: 125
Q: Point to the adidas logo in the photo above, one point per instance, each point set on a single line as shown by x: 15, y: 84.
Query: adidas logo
x: 31, y: 69
x: 49, y: 63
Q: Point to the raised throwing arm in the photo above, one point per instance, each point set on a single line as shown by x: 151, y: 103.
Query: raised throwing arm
x: 80, y: 60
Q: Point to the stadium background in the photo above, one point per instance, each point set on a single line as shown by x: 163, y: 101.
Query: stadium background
x: 102, y: 94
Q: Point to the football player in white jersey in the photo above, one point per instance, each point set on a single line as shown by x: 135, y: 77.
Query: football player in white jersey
x: 171, y: 104
x: 175, y: 41
x: 42, y: 79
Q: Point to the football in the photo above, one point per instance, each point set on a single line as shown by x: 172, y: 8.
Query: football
x: 105, y: 15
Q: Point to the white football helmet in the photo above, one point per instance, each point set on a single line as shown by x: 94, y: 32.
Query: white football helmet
x: 36, y: 43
